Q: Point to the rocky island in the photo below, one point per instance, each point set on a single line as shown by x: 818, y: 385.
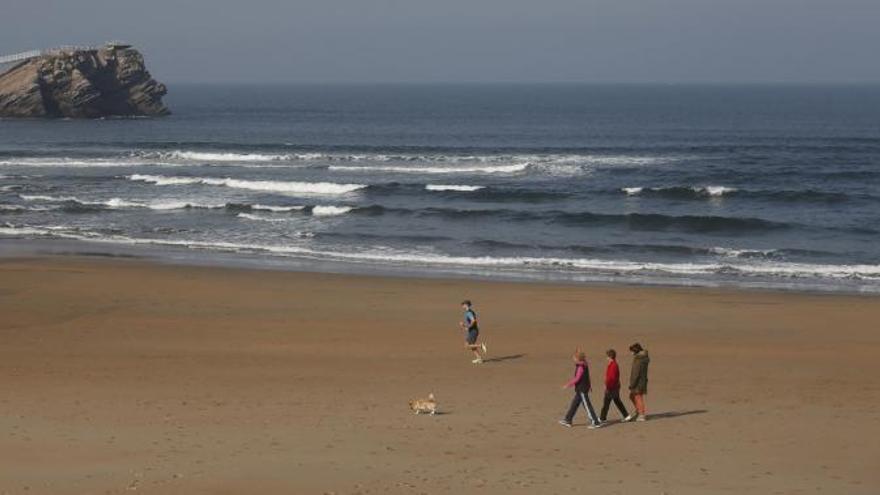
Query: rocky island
x: 80, y: 82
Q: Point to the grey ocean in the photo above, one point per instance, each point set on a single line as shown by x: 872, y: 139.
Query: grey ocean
x: 760, y: 186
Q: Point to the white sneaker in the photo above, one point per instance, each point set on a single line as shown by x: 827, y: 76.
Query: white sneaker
x: 630, y: 417
x: 593, y: 426
x: 477, y: 361
x: 483, y: 347
x: 642, y: 418
x: 565, y: 423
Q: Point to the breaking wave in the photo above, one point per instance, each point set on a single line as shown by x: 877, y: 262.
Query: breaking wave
x: 119, y: 203
x: 326, y: 211
x: 260, y: 218
x: 84, y: 162
x: 305, y: 188
x: 276, y: 208
x: 481, y: 169
x: 456, y: 188
x: 680, y: 192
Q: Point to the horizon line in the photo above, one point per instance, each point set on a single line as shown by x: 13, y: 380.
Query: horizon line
x: 525, y: 82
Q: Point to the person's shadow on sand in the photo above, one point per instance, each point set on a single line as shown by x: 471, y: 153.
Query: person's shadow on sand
x: 675, y: 414
x: 503, y: 358
x: 663, y: 415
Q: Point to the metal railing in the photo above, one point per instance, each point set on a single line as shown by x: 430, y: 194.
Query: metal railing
x: 7, y: 60
x: 18, y: 57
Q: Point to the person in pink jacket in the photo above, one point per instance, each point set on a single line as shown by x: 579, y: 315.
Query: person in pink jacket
x: 581, y: 383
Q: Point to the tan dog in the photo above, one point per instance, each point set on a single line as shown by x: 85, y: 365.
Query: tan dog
x: 428, y: 405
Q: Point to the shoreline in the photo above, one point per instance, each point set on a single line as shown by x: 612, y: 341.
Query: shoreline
x: 190, y: 257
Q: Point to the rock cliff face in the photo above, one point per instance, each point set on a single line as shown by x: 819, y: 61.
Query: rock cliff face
x: 85, y: 83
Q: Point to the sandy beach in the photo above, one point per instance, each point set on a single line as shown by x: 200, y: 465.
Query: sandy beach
x: 121, y: 376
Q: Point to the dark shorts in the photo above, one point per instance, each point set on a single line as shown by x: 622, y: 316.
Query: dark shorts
x: 472, y: 335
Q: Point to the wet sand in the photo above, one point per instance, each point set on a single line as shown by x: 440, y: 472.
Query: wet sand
x: 121, y: 376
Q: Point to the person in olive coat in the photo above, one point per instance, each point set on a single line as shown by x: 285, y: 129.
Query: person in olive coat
x: 638, y: 382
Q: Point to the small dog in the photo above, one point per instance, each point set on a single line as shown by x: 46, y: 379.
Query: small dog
x: 428, y: 405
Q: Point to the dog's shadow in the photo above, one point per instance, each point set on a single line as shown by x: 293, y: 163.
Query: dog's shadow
x: 503, y: 358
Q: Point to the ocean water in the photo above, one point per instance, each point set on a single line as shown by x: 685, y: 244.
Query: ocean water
x: 759, y: 186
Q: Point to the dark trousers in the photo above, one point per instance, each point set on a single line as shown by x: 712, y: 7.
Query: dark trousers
x: 612, y: 395
x: 581, y: 398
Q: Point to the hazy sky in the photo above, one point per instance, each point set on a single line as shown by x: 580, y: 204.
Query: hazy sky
x: 470, y: 40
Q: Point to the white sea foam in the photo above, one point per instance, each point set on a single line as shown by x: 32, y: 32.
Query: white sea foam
x: 23, y: 231
x: 161, y: 180
x: 259, y: 218
x: 180, y: 204
x: 442, y: 187
x: 225, y: 156
x: 737, y: 253
x: 20, y: 208
x: 439, y: 163
x: 277, y: 209
x: 169, y: 205
x: 289, y: 187
x: 83, y: 163
x: 490, y: 169
x: 48, y: 199
x: 119, y: 203
x: 110, y: 203
x: 327, y: 211
x: 713, y: 191
x: 303, y: 188
x: 232, y: 156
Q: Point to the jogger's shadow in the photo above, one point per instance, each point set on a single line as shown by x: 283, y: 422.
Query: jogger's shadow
x: 503, y: 358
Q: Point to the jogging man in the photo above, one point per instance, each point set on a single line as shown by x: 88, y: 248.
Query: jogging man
x: 472, y: 332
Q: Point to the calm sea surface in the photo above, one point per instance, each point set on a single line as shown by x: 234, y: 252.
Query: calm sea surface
x: 767, y: 186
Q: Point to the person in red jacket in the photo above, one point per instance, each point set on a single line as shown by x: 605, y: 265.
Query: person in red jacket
x: 612, y: 387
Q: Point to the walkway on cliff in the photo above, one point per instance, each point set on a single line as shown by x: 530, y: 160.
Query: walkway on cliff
x: 8, y: 61
x: 18, y: 57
